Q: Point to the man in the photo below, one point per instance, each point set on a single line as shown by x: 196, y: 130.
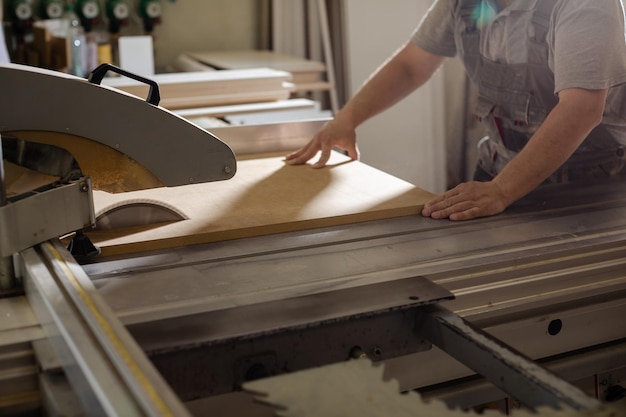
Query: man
x: 551, y: 77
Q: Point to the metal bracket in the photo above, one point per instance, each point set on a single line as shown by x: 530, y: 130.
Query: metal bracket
x: 509, y: 370
x: 45, y: 215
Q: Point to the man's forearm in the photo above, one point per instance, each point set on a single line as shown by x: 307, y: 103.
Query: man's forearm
x: 565, y: 128
x: 404, y: 72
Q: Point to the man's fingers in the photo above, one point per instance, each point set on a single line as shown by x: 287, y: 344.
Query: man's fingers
x: 324, y: 157
x: 353, y: 153
x: 448, y: 205
x: 471, y: 213
x: 453, y: 210
x: 302, y: 155
x: 437, y: 204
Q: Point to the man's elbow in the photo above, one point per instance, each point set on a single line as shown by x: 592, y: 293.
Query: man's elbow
x: 595, y: 108
x: 587, y: 105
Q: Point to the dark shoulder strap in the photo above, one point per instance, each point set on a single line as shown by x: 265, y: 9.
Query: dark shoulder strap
x: 541, y: 18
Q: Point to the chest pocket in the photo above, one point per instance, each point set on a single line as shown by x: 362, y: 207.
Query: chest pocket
x: 512, y: 97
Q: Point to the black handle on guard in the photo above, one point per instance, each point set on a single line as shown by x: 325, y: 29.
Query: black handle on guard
x: 96, y: 76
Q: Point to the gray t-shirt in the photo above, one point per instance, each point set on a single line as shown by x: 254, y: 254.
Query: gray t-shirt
x: 586, y: 44
x: 586, y: 39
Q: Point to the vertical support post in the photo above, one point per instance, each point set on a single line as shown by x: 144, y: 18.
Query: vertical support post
x: 7, y: 272
x: 328, y: 54
x: 3, y: 189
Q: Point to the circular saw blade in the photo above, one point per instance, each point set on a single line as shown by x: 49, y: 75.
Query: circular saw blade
x: 137, y: 213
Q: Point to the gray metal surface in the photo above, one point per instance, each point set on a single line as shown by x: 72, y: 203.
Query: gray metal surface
x: 556, y: 256
x: 45, y: 215
x: 110, y: 375
x: 291, y: 314
x: 61, y: 205
x: 584, y: 368
x: 173, y: 149
x: 515, y: 374
x: 213, y: 352
x: 481, y: 260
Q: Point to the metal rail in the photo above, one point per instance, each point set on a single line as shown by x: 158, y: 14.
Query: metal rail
x: 108, y: 371
x: 509, y: 370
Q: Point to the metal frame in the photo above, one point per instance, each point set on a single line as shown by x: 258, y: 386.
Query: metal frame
x: 547, y: 259
x: 507, y: 369
x: 107, y: 370
x: 46, y: 215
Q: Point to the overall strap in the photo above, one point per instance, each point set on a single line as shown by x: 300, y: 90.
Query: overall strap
x: 541, y: 18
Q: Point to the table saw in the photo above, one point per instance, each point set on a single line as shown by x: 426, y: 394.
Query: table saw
x: 215, y: 283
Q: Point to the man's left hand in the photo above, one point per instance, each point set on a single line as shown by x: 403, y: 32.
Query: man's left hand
x: 467, y: 201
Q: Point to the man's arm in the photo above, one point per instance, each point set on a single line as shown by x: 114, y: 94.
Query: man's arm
x: 405, y: 71
x: 565, y: 128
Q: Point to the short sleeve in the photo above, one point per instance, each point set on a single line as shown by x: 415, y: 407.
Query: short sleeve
x: 435, y: 32
x: 588, y: 44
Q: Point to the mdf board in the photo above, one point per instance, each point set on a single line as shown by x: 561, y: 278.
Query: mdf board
x: 265, y: 196
x: 212, y: 88
x: 303, y: 70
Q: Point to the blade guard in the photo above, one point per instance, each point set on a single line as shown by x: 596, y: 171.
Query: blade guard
x: 114, y: 136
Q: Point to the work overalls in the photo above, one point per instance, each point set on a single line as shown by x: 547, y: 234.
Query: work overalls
x: 515, y: 98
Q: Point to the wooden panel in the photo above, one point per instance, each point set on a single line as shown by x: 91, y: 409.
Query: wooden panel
x: 213, y: 88
x: 222, y: 111
x: 265, y: 196
x: 303, y: 70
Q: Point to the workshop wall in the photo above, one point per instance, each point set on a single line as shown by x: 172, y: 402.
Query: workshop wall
x: 184, y: 25
x: 408, y: 140
x: 196, y: 25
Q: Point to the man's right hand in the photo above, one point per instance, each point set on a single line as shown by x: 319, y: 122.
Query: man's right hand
x: 332, y: 135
